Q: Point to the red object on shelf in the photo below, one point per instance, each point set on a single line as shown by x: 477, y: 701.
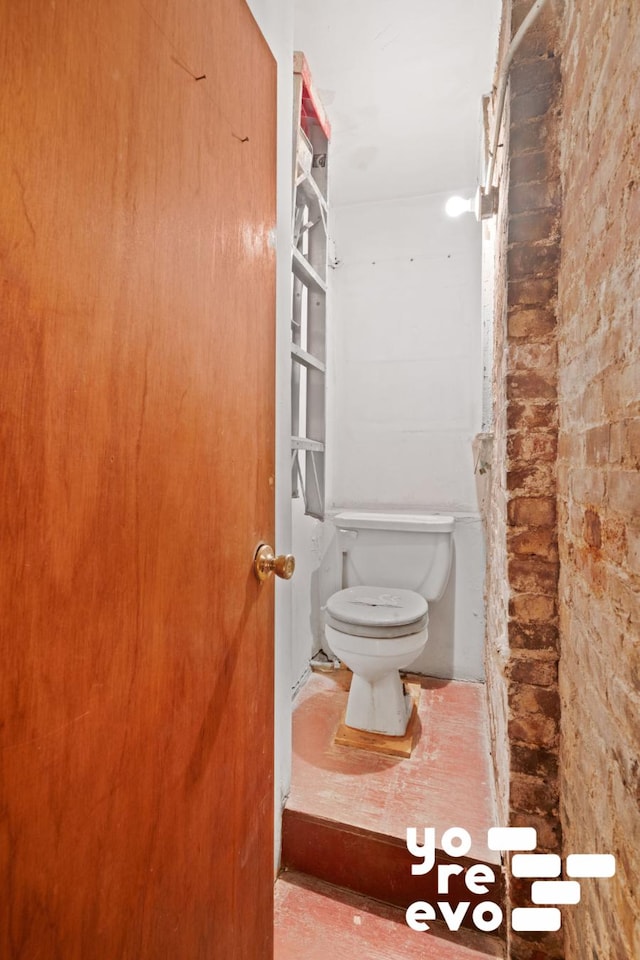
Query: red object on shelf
x: 312, y: 108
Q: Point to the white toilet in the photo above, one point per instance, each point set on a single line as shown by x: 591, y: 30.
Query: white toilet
x: 392, y: 565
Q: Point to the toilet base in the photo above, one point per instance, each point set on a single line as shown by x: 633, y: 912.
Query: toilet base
x: 381, y: 706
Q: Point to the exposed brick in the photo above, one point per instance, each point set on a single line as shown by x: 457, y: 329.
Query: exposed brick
x: 534, y: 761
x: 531, y: 74
x: 633, y: 548
x: 534, y: 227
x: 526, y: 699
x: 531, y: 479
x: 588, y: 486
x: 624, y: 443
x: 534, y: 291
x: 539, y: 444
x: 528, y: 608
x: 533, y: 543
x: 529, y: 323
x: 533, y: 795
x: 534, y: 729
x: 570, y: 184
x: 532, y: 511
x: 532, y: 136
x: 598, y: 444
x: 613, y: 539
x: 531, y: 385
x: 533, y: 634
x: 527, y: 197
x: 535, y: 358
x: 533, y: 575
x: 547, y: 828
x: 530, y: 168
x: 592, y: 531
x: 624, y: 491
x: 598, y: 480
x: 532, y: 104
x: 525, y: 260
x: 544, y: 946
x: 522, y: 414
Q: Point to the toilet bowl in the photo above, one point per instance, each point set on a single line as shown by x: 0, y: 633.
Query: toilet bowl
x: 377, y: 630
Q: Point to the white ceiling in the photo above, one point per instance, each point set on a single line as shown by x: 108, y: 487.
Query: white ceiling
x: 402, y: 82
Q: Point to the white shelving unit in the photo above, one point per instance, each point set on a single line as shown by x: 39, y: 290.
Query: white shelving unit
x: 309, y: 262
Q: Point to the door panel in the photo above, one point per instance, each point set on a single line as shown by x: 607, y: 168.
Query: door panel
x: 136, y: 478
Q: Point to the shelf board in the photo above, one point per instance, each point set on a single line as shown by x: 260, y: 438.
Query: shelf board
x: 310, y: 191
x: 306, y: 359
x: 303, y: 443
x: 305, y: 272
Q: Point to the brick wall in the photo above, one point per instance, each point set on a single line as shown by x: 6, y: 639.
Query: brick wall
x: 522, y: 578
x: 564, y: 526
x: 598, y: 478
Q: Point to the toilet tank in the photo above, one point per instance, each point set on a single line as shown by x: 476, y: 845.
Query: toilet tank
x: 408, y: 550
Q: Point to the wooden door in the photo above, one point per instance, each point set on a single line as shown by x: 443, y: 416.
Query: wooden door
x: 137, y: 186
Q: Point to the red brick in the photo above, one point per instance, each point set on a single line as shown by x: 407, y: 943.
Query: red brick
x: 533, y: 260
x: 614, y: 539
x: 526, y: 699
x: 625, y: 443
x: 534, y: 761
x: 538, y: 542
x: 547, y: 829
x: 524, y: 414
x: 533, y: 670
x: 538, y: 445
x: 592, y: 531
x: 529, y: 608
x: 624, y: 492
x: 571, y: 447
x: 531, y: 385
x: 598, y: 441
x: 534, y: 729
x: 534, y: 291
x: 533, y: 575
x: 588, y: 485
x: 633, y: 548
x: 539, y: 635
x: 532, y: 511
x: 599, y: 483
x: 527, y: 323
x: 533, y: 795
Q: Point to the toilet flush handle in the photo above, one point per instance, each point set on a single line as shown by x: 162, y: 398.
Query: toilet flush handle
x: 265, y: 563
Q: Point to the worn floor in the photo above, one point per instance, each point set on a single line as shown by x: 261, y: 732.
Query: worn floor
x: 445, y: 783
x: 349, y: 803
x: 318, y: 922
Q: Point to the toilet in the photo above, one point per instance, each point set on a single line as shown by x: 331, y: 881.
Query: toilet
x: 393, y: 565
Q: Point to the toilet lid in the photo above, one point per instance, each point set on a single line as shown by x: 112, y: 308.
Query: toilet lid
x: 377, y: 607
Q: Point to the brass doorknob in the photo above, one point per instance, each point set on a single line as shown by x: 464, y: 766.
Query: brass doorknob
x: 265, y: 563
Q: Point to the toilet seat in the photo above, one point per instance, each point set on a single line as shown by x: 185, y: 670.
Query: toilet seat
x: 377, y: 612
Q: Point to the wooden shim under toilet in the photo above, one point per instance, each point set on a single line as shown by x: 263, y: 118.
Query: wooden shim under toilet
x: 381, y: 742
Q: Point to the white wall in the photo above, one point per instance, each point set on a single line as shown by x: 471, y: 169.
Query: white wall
x: 307, y: 623
x: 402, y: 84
x: 275, y: 19
x: 405, y: 398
